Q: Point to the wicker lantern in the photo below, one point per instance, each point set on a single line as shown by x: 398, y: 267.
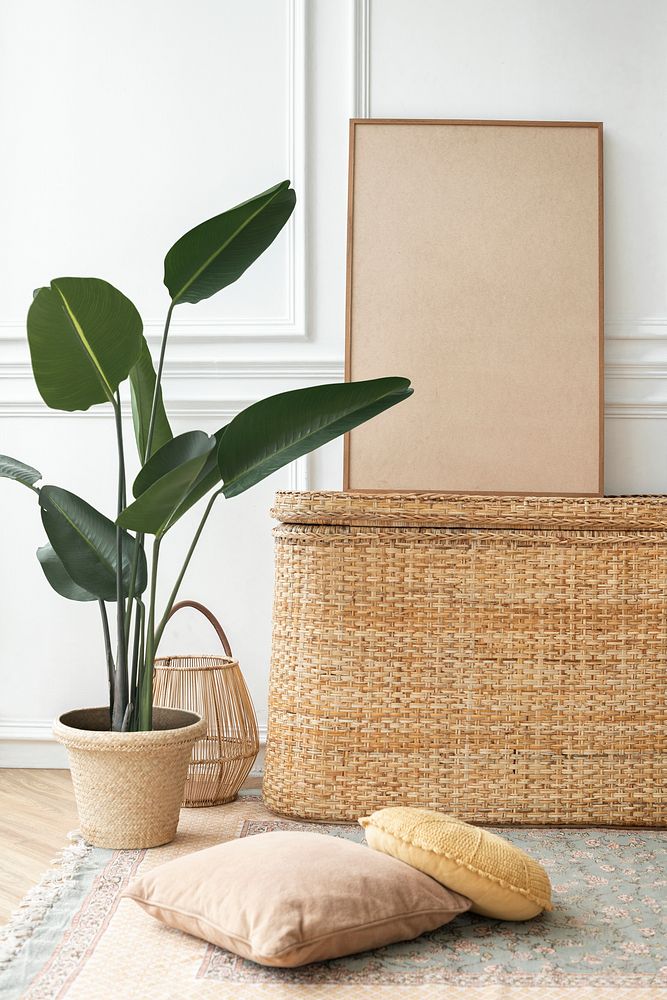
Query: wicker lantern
x: 214, y: 687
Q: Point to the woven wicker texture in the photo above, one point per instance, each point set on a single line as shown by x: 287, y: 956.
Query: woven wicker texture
x: 506, y: 676
x: 128, y: 786
x: 478, y: 851
x: 213, y: 687
x: 457, y: 510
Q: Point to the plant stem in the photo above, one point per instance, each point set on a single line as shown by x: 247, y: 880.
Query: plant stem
x: 136, y: 647
x: 156, y: 390
x: 138, y: 541
x: 142, y: 653
x: 122, y: 484
x: 145, y: 697
x: 108, y: 654
x: 144, y: 458
x: 143, y: 715
x: 179, y: 579
x: 120, y: 675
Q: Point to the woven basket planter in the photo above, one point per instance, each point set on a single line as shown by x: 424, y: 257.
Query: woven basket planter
x: 213, y: 687
x: 128, y: 786
x: 500, y: 658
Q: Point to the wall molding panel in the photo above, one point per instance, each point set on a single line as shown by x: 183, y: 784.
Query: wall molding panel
x: 313, y: 369
x: 179, y: 375
x: 258, y: 367
x: 197, y: 409
x: 644, y: 328
x: 223, y: 409
x: 293, y: 325
x: 360, y: 100
x: 214, y: 409
x: 636, y: 370
x: 19, y: 398
x: 650, y: 410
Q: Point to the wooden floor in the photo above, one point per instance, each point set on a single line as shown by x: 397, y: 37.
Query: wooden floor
x: 37, y: 812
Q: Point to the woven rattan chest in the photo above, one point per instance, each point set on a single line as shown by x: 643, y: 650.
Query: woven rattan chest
x: 500, y: 658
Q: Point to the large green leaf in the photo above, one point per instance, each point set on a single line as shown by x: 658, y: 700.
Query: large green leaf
x: 217, y: 252
x: 277, y: 430
x: 85, y: 542
x: 59, y: 578
x: 165, y: 481
x: 84, y: 338
x: 205, y: 481
x: 11, y: 468
x: 142, y: 387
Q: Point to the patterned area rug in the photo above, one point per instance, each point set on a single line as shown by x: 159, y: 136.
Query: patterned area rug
x: 607, y: 938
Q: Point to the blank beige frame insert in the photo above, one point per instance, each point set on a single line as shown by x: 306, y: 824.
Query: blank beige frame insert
x: 475, y: 268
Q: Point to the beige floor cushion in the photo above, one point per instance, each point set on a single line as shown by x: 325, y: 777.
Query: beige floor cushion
x: 501, y: 880
x: 286, y: 898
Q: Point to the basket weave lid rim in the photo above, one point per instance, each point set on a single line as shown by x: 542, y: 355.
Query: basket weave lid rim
x: 181, y: 661
x: 462, y: 510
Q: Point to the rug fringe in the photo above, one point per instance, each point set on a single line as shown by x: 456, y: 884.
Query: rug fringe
x: 36, y: 903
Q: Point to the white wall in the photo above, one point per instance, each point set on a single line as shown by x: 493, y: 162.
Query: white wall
x: 124, y: 124
x: 599, y: 60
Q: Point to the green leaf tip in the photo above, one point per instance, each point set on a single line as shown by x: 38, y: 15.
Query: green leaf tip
x: 217, y: 252
x: 59, y: 578
x: 11, y: 468
x: 275, y: 431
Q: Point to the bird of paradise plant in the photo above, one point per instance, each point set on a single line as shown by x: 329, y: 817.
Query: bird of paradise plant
x: 86, y: 339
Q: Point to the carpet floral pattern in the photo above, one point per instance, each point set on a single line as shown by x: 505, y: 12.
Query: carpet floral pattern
x: 75, y: 937
x: 608, y: 923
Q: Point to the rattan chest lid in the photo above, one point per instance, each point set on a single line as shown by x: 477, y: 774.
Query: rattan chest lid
x: 460, y: 510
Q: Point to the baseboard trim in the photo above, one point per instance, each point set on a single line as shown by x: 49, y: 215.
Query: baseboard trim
x: 30, y: 743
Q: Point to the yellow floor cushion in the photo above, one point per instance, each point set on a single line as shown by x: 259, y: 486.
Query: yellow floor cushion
x: 501, y: 880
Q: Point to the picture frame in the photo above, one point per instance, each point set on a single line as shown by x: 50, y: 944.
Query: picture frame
x: 475, y: 267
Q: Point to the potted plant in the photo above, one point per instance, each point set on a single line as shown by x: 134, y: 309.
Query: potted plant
x: 129, y: 760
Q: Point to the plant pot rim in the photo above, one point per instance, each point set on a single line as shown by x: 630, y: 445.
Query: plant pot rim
x: 178, y: 726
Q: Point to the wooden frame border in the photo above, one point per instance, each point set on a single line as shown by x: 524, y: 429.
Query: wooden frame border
x: 348, y: 275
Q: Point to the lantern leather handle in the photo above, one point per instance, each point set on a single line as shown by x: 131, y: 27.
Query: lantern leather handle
x: 211, y: 617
